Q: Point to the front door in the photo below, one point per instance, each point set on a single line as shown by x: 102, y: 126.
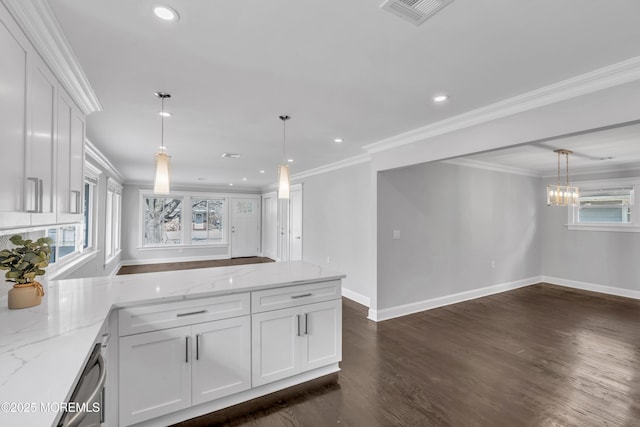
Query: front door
x: 245, y: 227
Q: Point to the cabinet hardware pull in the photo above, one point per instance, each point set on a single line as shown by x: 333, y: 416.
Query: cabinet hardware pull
x: 197, y: 346
x: 301, y: 296
x: 306, y: 323
x: 37, y: 197
x: 75, y: 202
x: 186, y: 349
x: 298, y: 321
x: 191, y: 313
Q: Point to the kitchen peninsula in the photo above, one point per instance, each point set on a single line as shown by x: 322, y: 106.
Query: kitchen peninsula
x: 44, y: 348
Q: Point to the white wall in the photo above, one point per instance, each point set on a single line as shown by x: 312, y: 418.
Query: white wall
x: 337, y: 226
x: 601, y: 258
x: 453, y: 222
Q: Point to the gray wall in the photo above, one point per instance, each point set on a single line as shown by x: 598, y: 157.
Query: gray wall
x: 337, y: 223
x: 453, y: 222
x: 605, y: 258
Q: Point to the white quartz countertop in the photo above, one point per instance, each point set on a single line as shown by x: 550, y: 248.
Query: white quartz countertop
x: 43, y: 349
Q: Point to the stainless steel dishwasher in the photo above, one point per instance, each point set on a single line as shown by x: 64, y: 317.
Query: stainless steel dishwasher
x: 87, y: 398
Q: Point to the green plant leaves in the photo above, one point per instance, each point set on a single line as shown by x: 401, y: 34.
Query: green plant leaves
x: 26, y: 260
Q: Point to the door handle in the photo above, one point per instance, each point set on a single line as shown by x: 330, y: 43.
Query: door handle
x: 306, y: 323
x: 298, y: 237
x: 298, y: 321
x: 186, y: 349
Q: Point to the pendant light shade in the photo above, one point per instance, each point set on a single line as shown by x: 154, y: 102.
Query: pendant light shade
x: 163, y: 173
x: 283, y: 169
x: 562, y: 195
x: 162, y: 180
x: 283, y: 182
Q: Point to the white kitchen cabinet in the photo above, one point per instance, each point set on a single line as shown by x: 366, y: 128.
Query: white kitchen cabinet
x: 155, y: 374
x: 221, y: 364
x: 70, y: 157
x: 35, y: 186
x: 40, y: 146
x: 290, y: 341
x: 177, y: 355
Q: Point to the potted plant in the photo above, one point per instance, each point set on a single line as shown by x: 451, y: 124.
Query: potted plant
x: 24, y: 262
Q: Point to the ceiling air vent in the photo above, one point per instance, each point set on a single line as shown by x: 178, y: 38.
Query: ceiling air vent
x: 231, y: 155
x: 415, y: 11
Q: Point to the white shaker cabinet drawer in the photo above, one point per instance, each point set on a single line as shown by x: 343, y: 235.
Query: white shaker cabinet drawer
x: 136, y: 320
x: 292, y: 296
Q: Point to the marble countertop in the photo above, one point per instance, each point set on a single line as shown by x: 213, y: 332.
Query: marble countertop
x: 44, y: 348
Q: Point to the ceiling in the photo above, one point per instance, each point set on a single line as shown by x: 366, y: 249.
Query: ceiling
x: 616, y: 147
x: 340, y: 68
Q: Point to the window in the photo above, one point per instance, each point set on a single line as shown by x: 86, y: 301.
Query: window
x: 113, y: 218
x: 607, y: 205
x: 183, y: 219
x: 162, y: 221
x: 89, y: 226
x: 66, y: 241
x: 207, y: 221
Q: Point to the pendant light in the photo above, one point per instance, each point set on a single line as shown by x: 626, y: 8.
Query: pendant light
x: 562, y: 195
x: 283, y: 169
x: 163, y: 160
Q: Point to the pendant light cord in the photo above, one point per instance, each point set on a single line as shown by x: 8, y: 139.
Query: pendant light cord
x: 558, y: 169
x: 567, y: 157
x: 162, y: 125
x: 284, y: 141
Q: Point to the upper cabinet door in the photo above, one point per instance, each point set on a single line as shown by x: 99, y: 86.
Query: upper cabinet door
x: 40, y: 148
x: 13, y: 122
x: 70, y: 160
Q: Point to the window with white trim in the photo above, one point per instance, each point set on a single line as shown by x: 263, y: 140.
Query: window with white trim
x: 113, y: 218
x: 207, y: 221
x: 183, y: 219
x: 162, y: 220
x: 89, y: 226
x: 607, y: 205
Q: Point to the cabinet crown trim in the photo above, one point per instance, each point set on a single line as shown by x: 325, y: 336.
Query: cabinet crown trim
x: 40, y: 25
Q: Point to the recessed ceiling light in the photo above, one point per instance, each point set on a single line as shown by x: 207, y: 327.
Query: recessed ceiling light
x: 244, y: 179
x: 338, y: 140
x: 261, y: 171
x: 440, y: 98
x: 165, y: 114
x: 290, y: 160
x: 165, y: 13
x: 231, y: 155
x: 231, y: 184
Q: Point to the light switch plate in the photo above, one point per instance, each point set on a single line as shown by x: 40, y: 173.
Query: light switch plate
x: 396, y: 234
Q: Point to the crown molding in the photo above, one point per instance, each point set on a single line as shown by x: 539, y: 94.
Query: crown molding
x: 479, y: 164
x: 38, y: 22
x: 350, y: 161
x: 96, y: 155
x: 603, y: 78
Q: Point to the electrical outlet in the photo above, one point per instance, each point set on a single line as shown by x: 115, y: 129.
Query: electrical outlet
x: 328, y: 259
x: 493, y: 263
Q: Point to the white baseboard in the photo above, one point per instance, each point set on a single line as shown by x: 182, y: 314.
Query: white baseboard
x: 585, y: 286
x: 175, y: 259
x: 354, y: 296
x: 415, y: 307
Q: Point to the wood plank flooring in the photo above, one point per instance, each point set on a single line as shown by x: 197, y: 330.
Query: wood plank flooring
x: 538, y: 356
x: 188, y: 265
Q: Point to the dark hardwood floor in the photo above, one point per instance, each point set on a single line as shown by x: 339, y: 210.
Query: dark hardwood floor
x: 537, y: 356
x: 188, y: 265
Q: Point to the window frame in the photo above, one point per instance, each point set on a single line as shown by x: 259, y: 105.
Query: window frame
x: 187, y: 222
x: 113, y: 220
x: 613, y: 183
x: 91, y: 178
